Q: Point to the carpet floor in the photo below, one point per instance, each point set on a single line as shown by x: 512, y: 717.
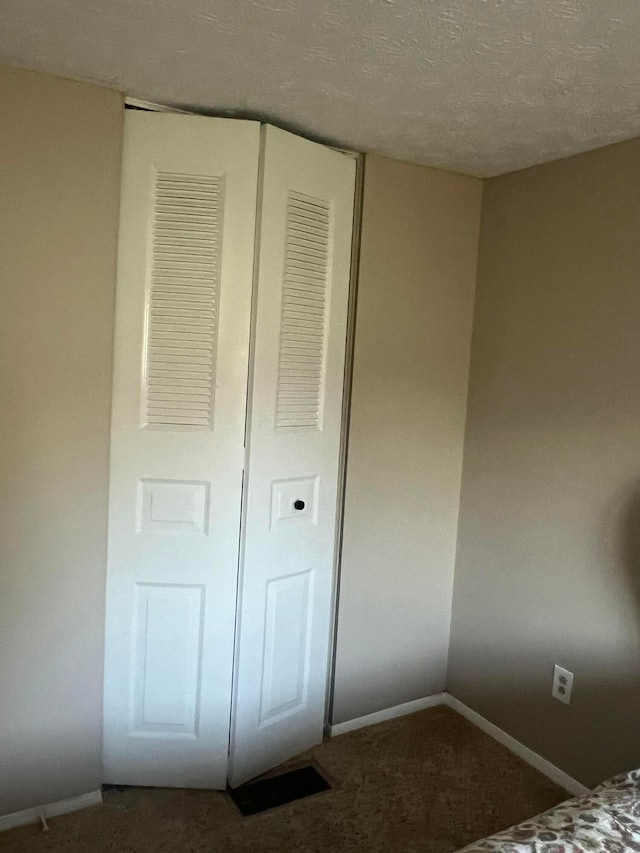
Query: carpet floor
x: 428, y: 782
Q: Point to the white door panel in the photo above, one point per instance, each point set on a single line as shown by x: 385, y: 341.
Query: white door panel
x: 289, y: 516
x: 180, y: 376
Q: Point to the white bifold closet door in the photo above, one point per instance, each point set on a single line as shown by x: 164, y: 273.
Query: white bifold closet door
x: 214, y: 545
x: 291, y: 482
x: 183, y: 307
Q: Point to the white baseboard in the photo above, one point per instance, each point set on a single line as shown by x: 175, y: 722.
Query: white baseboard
x: 528, y: 755
x: 94, y: 798
x: 72, y: 804
x: 545, y: 767
x: 386, y: 714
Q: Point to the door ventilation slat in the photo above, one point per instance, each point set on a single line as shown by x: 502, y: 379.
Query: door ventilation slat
x: 303, y: 319
x: 182, y: 303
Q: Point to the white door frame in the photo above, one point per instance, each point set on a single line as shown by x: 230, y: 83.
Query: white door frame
x: 346, y: 424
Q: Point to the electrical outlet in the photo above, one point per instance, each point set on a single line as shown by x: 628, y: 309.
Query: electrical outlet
x: 562, y: 684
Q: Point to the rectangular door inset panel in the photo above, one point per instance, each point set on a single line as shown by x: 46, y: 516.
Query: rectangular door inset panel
x: 303, y: 320
x: 167, y: 651
x: 186, y: 248
x: 286, y: 645
x: 182, y: 300
x: 173, y: 506
x: 294, y: 501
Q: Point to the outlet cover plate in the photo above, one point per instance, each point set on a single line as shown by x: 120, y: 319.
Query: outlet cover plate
x: 562, y: 684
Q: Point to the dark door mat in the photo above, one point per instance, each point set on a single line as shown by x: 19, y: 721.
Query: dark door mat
x: 277, y: 790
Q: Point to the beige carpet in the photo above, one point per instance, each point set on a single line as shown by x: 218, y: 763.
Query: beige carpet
x: 429, y: 782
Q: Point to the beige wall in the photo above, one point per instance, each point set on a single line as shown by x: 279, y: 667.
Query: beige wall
x: 58, y: 224
x: 415, y: 302
x: 60, y: 153
x: 548, y: 567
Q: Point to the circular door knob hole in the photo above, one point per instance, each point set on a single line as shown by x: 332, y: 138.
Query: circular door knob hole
x: 298, y: 504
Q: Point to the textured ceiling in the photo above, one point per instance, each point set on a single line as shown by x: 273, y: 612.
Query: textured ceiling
x: 477, y: 86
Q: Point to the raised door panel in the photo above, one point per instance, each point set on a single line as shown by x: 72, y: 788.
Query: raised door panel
x: 294, y: 433
x: 183, y: 310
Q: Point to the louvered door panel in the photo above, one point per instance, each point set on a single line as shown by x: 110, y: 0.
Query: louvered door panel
x: 182, y: 304
x: 183, y: 314
x: 304, y: 308
x: 294, y: 440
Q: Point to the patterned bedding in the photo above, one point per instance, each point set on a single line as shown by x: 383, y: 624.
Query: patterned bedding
x: 605, y: 821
